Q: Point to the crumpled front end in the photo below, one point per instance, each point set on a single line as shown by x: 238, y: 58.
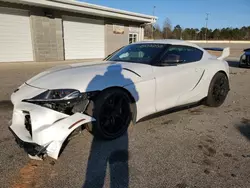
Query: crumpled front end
x: 40, y: 129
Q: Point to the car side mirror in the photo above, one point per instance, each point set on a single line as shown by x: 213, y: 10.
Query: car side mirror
x: 171, y: 62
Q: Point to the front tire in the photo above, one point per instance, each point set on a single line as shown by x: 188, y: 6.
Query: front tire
x: 218, y: 90
x: 113, y: 113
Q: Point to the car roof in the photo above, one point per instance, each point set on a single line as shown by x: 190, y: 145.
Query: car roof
x: 172, y: 41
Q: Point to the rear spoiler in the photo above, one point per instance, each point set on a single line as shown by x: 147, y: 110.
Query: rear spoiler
x: 225, y: 52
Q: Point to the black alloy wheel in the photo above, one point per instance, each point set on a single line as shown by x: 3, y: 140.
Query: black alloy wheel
x: 218, y: 90
x: 113, y: 113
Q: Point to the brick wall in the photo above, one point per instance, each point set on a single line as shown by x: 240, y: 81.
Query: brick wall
x: 47, y: 37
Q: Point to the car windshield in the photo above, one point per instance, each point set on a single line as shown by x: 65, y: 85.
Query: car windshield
x: 138, y: 53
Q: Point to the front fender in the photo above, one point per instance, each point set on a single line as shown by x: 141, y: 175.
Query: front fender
x: 144, y: 96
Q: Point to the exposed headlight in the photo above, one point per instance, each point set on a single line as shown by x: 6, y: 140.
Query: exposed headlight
x: 56, y: 95
x: 67, y: 101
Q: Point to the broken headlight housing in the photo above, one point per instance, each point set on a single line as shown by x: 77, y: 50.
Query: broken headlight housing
x: 56, y: 95
x: 68, y: 101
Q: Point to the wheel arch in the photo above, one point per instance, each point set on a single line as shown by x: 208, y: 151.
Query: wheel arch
x: 211, y: 78
x: 131, y: 97
x: 64, y: 141
x: 223, y: 72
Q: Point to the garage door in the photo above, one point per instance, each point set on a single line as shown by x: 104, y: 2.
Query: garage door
x: 15, y: 36
x: 83, y: 38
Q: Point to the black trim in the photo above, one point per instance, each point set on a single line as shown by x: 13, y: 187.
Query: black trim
x: 199, y: 80
x: 157, y: 59
x: 171, y: 110
x: 16, y: 90
x: 30, y: 148
x: 113, y: 53
x: 131, y: 71
x: 214, y: 49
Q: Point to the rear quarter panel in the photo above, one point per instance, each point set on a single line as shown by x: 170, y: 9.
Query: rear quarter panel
x: 212, y: 66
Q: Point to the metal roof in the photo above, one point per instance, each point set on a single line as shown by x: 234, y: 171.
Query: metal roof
x: 87, y: 8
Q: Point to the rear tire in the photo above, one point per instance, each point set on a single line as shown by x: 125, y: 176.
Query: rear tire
x: 113, y: 113
x: 218, y: 90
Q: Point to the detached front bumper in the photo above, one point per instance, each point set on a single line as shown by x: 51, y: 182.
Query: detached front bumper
x: 31, y: 148
x: 45, y: 130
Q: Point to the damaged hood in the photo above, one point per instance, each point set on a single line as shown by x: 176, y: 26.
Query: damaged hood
x: 90, y: 77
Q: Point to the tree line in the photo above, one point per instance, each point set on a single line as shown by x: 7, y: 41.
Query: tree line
x: 177, y: 32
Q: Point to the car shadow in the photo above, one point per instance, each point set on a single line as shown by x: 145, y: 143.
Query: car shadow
x: 113, y: 155
x: 244, y: 127
x: 109, y: 157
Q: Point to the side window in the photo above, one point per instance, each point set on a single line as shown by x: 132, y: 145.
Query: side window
x: 182, y: 54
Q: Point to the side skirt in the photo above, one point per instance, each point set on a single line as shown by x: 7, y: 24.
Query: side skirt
x: 172, y: 110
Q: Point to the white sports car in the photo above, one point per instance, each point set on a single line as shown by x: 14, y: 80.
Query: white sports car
x: 137, y: 80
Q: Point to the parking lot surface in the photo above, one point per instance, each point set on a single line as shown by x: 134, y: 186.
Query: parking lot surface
x: 196, y: 147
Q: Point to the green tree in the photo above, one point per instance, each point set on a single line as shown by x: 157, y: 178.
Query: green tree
x: 189, y: 34
x: 202, y: 33
x: 196, y: 37
x: 157, y: 32
x: 148, y: 31
x: 167, y: 29
x: 216, y: 34
x: 177, y: 32
x: 228, y: 33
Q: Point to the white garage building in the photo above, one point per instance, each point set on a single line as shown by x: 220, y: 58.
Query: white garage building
x: 88, y: 40
x: 51, y: 30
x: 15, y: 36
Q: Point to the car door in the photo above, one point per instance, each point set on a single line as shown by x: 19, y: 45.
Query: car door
x: 176, y: 75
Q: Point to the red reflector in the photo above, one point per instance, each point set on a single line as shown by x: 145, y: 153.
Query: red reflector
x: 76, y: 123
